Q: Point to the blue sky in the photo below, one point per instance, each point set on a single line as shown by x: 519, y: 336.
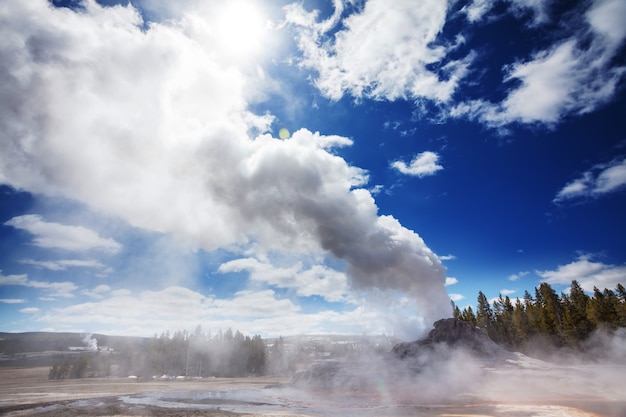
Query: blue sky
x: 429, y: 150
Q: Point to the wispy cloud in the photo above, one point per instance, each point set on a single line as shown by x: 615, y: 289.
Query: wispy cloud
x: 259, y: 312
x: 29, y: 310
x: 477, y: 9
x: 62, y: 265
x: 60, y: 236
x: 600, y: 180
x: 63, y: 289
x: 12, y: 300
x: 456, y: 297
x: 573, y: 75
x: 587, y: 273
x: 570, y: 77
x: 451, y: 281
x: 519, y: 275
x: 99, y: 292
x: 379, y: 71
x: 316, y: 280
x: 424, y: 164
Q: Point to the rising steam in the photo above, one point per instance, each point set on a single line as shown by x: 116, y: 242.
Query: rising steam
x: 152, y: 126
x: 90, y: 342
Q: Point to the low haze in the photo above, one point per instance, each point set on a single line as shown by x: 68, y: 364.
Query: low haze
x: 283, y: 168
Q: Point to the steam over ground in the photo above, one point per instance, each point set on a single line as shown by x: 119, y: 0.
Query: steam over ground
x: 473, y: 373
x: 424, y: 378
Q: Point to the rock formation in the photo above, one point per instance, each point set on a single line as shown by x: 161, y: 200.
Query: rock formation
x: 452, y: 333
x: 430, y: 354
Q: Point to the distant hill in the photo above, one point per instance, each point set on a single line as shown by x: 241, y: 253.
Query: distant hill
x: 43, y: 348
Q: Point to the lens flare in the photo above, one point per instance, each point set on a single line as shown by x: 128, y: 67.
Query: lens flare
x: 284, y: 133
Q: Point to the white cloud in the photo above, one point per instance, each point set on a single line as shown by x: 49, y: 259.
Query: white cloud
x: 605, y: 18
x: 447, y: 257
x: 29, y: 310
x: 611, y: 178
x: 515, y: 277
x: 12, y: 300
x: 548, y: 81
x: 377, y: 189
x: 62, y: 265
x: 587, y: 273
x: 569, y: 77
x: 563, y: 79
x: 64, y: 289
x: 451, y: 281
x: 319, y: 280
x: 506, y: 291
x: 98, y: 292
x: 598, y: 181
x: 477, y: 9
x: 456, y: 297
x: 538, y: 8
x: 422, y: 165
x: 255, y: 304
x: 358, y: 59
x: 60, y: 236
x: 265, y: 312
x: 252, y: 312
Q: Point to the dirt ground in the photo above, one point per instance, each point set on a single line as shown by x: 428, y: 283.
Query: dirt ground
x: 28, y: 392
x: 32, y: 386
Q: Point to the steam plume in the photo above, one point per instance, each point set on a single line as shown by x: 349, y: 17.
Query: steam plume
x: 90, y: 342
x: 152, y: 126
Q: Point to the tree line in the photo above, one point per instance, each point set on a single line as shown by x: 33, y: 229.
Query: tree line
x: 561, y: 320
x: 197, y: 354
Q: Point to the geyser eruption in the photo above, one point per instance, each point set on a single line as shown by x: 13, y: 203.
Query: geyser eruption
x: 79, y: 121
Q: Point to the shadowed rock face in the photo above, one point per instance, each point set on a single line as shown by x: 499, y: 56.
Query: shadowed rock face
x: 451, y: 333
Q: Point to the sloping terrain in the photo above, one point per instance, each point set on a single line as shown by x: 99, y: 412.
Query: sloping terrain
x: 452, y: 333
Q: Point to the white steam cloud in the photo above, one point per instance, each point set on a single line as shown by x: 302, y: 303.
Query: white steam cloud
x: 151, y: 125
x: 90, y: 342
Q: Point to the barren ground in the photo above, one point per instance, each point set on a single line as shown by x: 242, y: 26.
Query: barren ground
x: 28, y: 392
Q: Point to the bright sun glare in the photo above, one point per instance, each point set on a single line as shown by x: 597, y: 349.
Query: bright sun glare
x: 241, y: 27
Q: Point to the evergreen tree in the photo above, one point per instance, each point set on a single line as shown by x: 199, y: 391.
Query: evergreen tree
x: 576, y: 325
x: 551, y: 315
x: 468, y: 315
x: 521, y: 329
x: 484, y: 315
x: 621, y: 307
x: 597, y: 308
x: 506, y: 322
x: 533, y: 312
x: 612, y: 305
x: 457, y: 313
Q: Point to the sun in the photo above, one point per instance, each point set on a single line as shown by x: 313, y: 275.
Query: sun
x: 241, y: 27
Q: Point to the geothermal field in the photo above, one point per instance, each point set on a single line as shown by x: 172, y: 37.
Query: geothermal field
x: 456, y: 371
